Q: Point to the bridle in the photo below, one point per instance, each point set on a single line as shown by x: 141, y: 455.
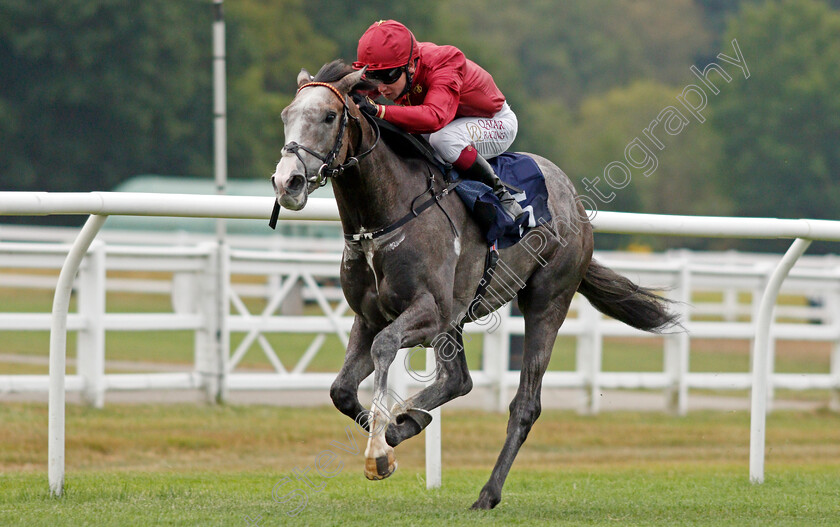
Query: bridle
x: 326, y: 170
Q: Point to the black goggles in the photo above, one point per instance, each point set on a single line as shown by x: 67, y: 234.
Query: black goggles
x: 389, y: 76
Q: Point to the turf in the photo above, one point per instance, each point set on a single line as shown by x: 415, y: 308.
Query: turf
x: 664, y: 496
x: 218, y: 465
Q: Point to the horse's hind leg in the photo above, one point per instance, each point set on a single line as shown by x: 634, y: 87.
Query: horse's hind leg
x: 543, y: 317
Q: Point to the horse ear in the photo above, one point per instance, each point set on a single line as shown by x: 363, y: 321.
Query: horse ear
x: 303, y: 77
x: 346, y: 84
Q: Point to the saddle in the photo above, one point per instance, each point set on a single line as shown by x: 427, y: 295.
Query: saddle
x: 518, y: 171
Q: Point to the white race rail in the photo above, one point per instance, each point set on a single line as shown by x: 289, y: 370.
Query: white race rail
x: 100, y: 205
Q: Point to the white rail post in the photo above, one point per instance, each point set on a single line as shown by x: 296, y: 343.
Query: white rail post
x: 434, y: 466
x: 770, y: 345
x: 58, y: 352
x: 212, y: 342
x: 221, y: 345
x: 398, y: 376
x: 495, y: 354
x: 677, y: 346
x: 730, y: 304
x: 223, y: 337
x: 833, y: 305
x: 589, y: 356
x: 757, y: 293
x: 502, y: 338
x: 758, y: 409
x: 90, y: 341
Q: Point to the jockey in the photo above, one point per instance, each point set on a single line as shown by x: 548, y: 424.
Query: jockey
x: 445, y: 96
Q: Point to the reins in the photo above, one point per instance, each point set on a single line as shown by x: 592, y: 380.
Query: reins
x: 327, y: 171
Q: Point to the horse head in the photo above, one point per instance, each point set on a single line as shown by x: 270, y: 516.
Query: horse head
x: 315, y: 129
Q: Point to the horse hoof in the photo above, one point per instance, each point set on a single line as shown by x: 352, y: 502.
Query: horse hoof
x: 407, y: 425
x: 418, y: 415
x: 381, y: 467
x: 481, y: 505
x: 485, y: 502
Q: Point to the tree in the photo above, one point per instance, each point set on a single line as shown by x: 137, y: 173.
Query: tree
x: 674, y: 176
x: 549, y: 56
x: 781, y: 125
x: 344, y: 22
x: 268, y: 43
x: 94, y: 92
x: 574, y: 49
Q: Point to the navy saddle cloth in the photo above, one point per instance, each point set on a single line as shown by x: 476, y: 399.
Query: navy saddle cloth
x: 517, y: 170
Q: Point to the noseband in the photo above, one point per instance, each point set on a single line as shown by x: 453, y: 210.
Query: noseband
x: 326, y: 170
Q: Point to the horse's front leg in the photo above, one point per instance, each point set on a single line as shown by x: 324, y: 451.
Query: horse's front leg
x: 357, y: 366
x: 452, y: 380
x: 418, y: 323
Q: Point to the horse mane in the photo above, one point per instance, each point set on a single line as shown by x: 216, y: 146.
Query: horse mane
x: 336, y: 70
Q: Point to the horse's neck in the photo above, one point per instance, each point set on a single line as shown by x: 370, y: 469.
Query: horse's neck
x: 378, y: 193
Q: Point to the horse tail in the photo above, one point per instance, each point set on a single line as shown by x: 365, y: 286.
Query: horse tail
x: 620, y: 298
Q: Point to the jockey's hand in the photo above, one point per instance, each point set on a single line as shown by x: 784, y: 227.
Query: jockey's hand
x: 366, y: 104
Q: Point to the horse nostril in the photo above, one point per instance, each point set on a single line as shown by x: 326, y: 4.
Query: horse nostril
x: 273, y: 184
x: 296, y: 183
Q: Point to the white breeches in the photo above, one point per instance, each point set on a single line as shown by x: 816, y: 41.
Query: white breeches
x: 490, y: 136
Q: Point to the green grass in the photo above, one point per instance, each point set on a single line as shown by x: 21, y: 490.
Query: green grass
x: 805, y: 496
x: 215, y: 465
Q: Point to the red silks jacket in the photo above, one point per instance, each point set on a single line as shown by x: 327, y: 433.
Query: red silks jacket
x: 446, y: 86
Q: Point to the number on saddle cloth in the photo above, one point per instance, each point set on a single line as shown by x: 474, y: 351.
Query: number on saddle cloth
x: 523, y: 173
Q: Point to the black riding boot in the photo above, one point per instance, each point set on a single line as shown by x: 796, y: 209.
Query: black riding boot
x: 481, y: 171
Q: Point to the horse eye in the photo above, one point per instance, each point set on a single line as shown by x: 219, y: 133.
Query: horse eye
x: 330, y: 117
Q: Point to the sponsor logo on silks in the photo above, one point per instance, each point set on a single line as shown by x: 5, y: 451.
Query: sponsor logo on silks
x: 418, y: 89
x: 474, y: 131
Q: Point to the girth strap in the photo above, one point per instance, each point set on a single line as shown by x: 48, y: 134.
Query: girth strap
x: 489, y: 268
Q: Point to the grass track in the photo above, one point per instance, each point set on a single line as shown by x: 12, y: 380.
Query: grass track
x: 195, y: 465
x: 807, y: 496
x: 208, y: 465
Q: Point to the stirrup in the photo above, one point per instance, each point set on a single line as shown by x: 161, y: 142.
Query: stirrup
x: 511, y: 207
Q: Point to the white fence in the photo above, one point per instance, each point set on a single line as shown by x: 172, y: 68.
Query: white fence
x: 278, y: 276
x: 100, y: 205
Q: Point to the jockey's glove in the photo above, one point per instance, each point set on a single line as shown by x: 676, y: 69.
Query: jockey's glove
x: 367, y: 105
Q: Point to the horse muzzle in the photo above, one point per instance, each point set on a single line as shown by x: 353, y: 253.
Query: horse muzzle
x: 290, y: 191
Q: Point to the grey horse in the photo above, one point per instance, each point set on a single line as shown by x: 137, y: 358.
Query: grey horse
x: 411, y: 277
